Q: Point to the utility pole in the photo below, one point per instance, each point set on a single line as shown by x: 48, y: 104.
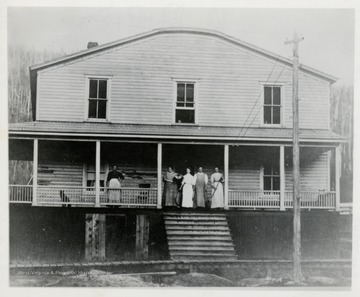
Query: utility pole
x: 296, y: 163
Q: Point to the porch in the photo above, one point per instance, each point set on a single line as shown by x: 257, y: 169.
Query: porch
x: 257, y: 176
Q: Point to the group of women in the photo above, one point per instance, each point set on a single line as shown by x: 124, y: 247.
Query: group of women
x: 190, y: 191
x: 179, y: 190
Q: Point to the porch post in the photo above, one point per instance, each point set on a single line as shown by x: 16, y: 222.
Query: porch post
x: 97, y: 174
x: 282, y: 177
x: 35, y: 170
x: 337, y: 176
x: 226, y: 173
x: 159, y: 166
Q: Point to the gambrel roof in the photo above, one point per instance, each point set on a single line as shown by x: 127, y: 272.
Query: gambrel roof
x: 203, y: 32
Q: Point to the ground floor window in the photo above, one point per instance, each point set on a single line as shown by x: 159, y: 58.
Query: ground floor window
x: 271, y: 178
x: 90, y: 175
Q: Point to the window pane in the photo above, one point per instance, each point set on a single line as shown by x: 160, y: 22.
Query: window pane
x: 276, y: 169
x: 267, y: 183
x: 185, y: 116
x: 90, y: 183
x: 102, y: 109
x: 189, y: 105
x: 276, y: 183
x: 180, y: 104
x: 102, y: 89
x: 267, y: 95
x: 276, y: 96
x: 267, y: 115
x: 190, y: 92
x: 276, y: 114
x: 180, y: 92
x: 92, y: 108
x: 93, y: 88
x: 267, y: 170
x: 91, y: 176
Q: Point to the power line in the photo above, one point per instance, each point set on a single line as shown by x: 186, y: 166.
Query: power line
x: 247, y: 128
x: 254, y: 105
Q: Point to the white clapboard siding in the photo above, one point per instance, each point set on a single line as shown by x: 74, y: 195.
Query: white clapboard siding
x: 244, y: 179
x: 229, y: 83
x: 60, y: 174
x: 313, y: 175
x: 148, y: 175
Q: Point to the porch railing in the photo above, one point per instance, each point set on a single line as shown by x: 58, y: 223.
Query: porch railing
x: 254, y: 199
x: 65, y: 195
x: 271, y: 199
x: 70, y: 195
x: 129, y: 197
x: 20, y: 193
x: 312, y: 199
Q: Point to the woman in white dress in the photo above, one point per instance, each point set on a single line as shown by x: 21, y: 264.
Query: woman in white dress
x: 217, y: 179
x: 188, y: 184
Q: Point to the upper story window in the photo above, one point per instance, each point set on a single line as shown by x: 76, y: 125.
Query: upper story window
x: 272, y: 105
x: 185, y: 103
x: 98, y: 98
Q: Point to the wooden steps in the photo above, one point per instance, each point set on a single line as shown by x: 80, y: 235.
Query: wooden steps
x: 198, y: 236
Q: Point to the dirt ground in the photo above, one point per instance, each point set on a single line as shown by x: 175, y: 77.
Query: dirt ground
x: 98, y: 278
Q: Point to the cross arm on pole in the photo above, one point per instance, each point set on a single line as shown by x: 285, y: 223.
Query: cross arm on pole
x: 295, y: 40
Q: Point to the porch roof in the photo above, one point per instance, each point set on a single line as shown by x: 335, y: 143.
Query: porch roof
x: 184, y: 132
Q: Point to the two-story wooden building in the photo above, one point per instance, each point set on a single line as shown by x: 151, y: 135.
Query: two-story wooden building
x: 183, y: 98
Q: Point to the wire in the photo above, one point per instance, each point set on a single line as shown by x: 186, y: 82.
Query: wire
x: 254, y: 105
x: 247, y: 128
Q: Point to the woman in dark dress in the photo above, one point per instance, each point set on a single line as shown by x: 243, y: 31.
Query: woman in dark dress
x: 178, y: 178
x: 113, y: 180
x: 170, y: 188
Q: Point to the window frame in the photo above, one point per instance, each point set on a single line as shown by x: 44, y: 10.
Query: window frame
x: 87, y: 97
x: 177, y: 81
x: 262, y: 176
x: 86, y: 171
x: 282, y: 104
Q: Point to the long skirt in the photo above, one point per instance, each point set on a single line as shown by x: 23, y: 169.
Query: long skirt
x: 217, y: 200
x: 170, y: 193
x: 200, y: 195
x: 114, y: 191
x: 188, y: 195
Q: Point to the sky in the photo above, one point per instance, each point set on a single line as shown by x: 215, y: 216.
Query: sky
x: 328, y: 43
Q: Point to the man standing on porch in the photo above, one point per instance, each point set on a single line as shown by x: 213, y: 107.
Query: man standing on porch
x: 217, y: 189
x: 188, y: 189
x: 201, y: 180
x: 113, y: 179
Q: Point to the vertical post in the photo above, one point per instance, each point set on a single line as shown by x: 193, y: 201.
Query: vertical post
x: 282, y: 177
x: 35, y: 170
x: 296, y: 164
x: 88, y: 236
x: 95, y: 236
x: 142, y: 237
x: 159, y: 167
x: 102, y: 238
x: 95, y: 232
x: 97, y: 174
x: 337, y: 176
x: 296, y: 171
x: 226, y: 173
